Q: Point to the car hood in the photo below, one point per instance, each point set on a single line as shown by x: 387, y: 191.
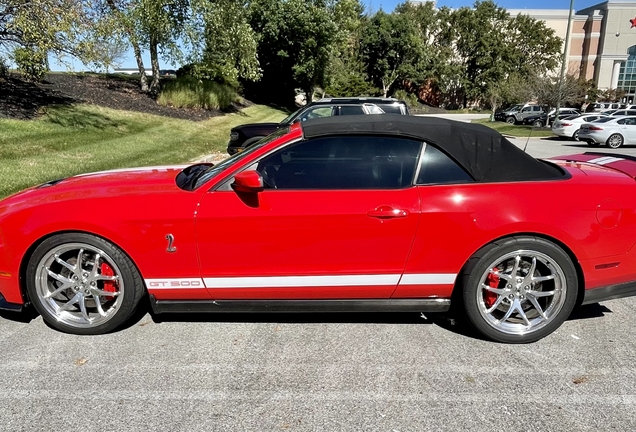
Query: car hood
x: 144, y: 180
x: 256, y: 126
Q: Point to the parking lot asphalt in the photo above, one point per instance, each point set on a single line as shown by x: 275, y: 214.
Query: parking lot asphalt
x: 322, y: 372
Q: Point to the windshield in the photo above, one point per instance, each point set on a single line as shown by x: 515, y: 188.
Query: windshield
x: 207, y: 174
x: 289, y: 118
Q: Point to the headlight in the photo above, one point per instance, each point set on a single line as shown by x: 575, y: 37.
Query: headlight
x: 234, y: 136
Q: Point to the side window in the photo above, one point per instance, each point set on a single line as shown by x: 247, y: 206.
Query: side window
x: 630, y: 121
x: 342, y: 162
x: 621, y: 122
x: 437, y: 168
x: 536, y: 108
x: 351, y: 110
x: 526, y: 109
x: 324, y: 111
x: 373, y: 109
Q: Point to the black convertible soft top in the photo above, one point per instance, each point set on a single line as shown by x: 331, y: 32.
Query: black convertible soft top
x: 481, y: 151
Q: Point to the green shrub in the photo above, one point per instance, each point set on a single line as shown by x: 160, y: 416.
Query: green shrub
x: 409, y: 98
x: 188, y: 92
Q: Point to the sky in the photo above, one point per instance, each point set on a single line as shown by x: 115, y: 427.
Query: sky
x: 387, y: 5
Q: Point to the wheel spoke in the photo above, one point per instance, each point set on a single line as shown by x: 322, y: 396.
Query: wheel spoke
x: 532, y: 299
x: 515, y: 269
x: 542, y: 278
x: 106, y: 278
x: 58, y: 290
x: 71, y: 302
x: 98, y: 305
x: 509, y: 312
x: 533, y: 267
x: 82, y: 306
x: 499, y: 291
x: 64, y: 263
x: 103, y: 293
x: 78, y: 266
x: 496, y: 304
x: 95, y: 266
x: 58, y: 277
x: 523, y: 314
x: 500, y: 275
x: 540, y: 293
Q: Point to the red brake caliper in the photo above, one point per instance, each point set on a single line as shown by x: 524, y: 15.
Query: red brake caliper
x: 490, y: 297
x: 109, y: 286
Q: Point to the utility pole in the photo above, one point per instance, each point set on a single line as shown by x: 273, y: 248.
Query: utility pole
x: 563, y: 63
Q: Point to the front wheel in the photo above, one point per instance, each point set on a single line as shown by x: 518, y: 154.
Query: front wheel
x: 537, y: 123
x: 615, y: 141
x: 575, y: 135
x: 83, y: 284
x: 511, y: 120
x: 519, y: 290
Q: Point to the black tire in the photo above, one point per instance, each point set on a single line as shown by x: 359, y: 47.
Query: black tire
x: 575, y: 135
x: 615, y: 141
x: 125, y: 283
x: 251, y: 141
x: 537, y: 123
x: 511, y: 120
x: 592, y: 143
x: 525, y: 324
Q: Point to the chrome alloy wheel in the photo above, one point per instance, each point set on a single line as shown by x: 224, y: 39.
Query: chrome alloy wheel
x: 521, y: 292
x: 80, y: 285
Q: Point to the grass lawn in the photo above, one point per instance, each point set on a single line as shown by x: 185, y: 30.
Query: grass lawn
x: 515, y: 130
x: 87, y: 138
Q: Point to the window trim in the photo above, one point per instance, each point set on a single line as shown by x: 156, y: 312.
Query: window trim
x: 419, y: 167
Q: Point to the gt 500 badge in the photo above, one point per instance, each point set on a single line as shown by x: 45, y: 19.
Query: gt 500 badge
x: 174, y: 283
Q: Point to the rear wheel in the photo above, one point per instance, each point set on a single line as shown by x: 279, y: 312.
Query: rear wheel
x: 519, y: 290
x: 615, y: 141
x: 537, y: 123
x: 575, y: 135
x: 83, y: 284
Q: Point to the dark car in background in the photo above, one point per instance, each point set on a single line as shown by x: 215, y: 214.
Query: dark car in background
x: 245, y: 135
x: 543, y: 119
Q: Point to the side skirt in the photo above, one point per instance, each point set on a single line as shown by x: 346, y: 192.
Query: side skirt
x: 611, y: 292
x: 296, y: 306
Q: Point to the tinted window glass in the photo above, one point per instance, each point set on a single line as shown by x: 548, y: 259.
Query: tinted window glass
x: 351, y: 110
x: 347, y: 162
x: 325, y: 111
x: 392, y: 109
x: 437, y: 168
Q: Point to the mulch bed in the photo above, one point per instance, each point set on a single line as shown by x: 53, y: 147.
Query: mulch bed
x: 23, y: 100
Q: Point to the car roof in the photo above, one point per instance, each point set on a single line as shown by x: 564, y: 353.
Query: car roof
x: 375, y: 100
x: 480, y: 150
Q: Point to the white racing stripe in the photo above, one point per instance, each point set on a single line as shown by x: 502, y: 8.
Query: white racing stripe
x: 428, y: 279
x: 605, y: 160
x: 302, y: 281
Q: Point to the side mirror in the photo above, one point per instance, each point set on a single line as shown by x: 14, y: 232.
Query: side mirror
x: 248, y: 182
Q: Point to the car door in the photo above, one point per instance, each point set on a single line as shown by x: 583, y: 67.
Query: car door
x: 336, y: 220
x: 627, y: 126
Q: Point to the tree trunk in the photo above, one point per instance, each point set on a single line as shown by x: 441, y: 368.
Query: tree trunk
x: 154, y: 61
x: 143, y: 80
x: 309, y: 94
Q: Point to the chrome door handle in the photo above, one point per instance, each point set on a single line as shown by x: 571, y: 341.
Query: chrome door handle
x: 387, y: 212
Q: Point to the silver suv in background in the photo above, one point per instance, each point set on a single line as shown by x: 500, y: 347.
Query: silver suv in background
x: 518, y: 113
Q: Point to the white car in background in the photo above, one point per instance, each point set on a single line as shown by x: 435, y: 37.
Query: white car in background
x: 612, y: 131
x: 569, y: 126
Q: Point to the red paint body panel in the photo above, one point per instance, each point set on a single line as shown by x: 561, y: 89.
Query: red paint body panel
x: 305, y: 232
x: 433, y: 230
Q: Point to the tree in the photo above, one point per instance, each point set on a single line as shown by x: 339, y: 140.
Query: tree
x: 492, y: 46
x: 392, y: 49
x: 294, y: 44
x: 345, y: 75
x: 223, y: 43
x: 550, y: 92
x: 30, y: 30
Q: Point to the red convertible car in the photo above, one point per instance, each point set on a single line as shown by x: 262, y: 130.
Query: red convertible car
x: 337, y: 214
